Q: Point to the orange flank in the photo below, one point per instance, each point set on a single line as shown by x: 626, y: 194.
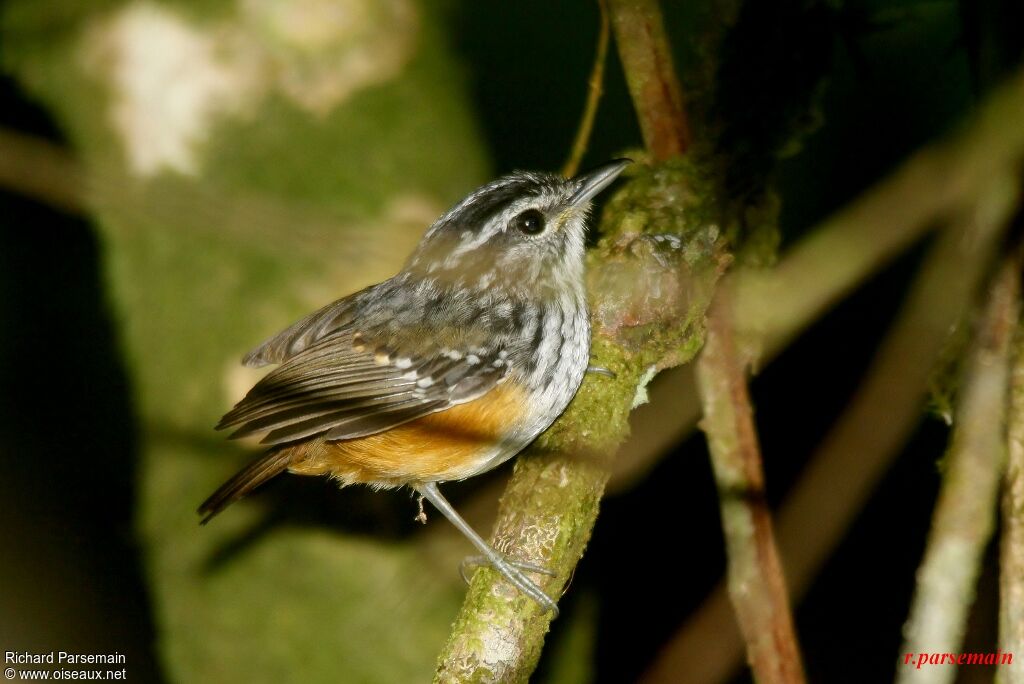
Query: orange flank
x: 447, y: 445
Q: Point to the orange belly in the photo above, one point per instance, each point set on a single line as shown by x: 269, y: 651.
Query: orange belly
x: 448, y: 445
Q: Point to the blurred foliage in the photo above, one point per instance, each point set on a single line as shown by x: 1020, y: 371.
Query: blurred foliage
x: 254, y: 597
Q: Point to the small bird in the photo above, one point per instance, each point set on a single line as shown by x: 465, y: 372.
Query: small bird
x: 445, y: 370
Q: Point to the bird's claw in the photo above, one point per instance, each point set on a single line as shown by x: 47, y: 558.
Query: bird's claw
x: 513, y: 571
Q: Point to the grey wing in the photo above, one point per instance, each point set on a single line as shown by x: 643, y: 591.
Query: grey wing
x: 305, y: 332
x: 344, y: 386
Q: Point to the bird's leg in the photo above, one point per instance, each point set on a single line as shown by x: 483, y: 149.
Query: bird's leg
x: 600, y: 370
x: 510, y: 570
x: 474, y: 561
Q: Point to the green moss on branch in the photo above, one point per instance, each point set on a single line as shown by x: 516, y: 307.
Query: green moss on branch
x: 552, y: 500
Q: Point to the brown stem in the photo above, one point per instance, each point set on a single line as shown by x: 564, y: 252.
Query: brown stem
x: 756, y: 583
x: 651, y: 76
x: 595, y: 88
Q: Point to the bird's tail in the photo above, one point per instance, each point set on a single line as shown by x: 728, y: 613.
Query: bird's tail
x: 265, y: 468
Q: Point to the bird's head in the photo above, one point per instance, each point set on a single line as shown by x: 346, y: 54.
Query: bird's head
x: 525, y: 228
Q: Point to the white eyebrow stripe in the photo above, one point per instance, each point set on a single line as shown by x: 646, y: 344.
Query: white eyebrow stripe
x: 480, y: 239
x: 497, y: 224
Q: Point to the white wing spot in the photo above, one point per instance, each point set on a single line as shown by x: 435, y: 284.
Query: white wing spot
x: 423, y: 383
x: 472, y: 359
x: 403, y: 363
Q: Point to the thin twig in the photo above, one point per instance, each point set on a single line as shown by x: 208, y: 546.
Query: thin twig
x: 595, y: 88
x: 1011, y: 559
x: 756, y: 583
x: 965, y: 512
x: 651, y: 76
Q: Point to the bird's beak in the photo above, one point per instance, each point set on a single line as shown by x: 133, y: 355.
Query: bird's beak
x: 593, y: 182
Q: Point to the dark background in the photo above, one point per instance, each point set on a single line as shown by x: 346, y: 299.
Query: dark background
x: 901, y: 74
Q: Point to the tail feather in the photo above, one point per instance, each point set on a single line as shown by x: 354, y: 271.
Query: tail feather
x: 263, y: 469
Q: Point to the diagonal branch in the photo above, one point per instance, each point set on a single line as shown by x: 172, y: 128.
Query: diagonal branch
x: 756, y: 583
x: 552, y: 499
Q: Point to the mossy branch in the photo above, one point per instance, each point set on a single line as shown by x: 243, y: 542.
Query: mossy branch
x: 649, y: 296
x: 551, y: 503
x: 848, y: 248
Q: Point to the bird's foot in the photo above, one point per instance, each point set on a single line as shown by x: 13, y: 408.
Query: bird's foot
x: 600, y: 370
x: 514, y: 571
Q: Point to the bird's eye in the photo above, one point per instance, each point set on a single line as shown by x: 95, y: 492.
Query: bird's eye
x: 530, y: 222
